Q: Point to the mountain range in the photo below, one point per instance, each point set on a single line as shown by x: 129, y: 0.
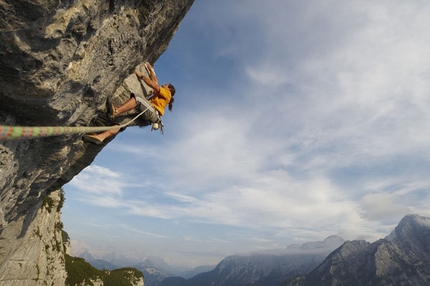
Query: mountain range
x: 263, y: 268
x: 401, y: 258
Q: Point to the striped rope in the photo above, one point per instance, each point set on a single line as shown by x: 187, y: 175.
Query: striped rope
x: 30, y: 132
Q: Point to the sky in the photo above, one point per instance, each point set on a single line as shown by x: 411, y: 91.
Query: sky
x: 292, y: 121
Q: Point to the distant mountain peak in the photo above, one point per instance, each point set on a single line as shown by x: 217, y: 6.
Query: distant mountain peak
x: 269, y: 267
x: 330, y: 242
x: 408, y: 226
x: 403, y: 258
x: 415, y: 219
x: 333, y: 238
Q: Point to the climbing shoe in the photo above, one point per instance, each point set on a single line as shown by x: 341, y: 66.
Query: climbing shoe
x: 89, y: 138
x: 111, y: 110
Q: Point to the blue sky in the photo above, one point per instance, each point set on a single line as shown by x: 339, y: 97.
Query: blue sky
x: 293, y: 121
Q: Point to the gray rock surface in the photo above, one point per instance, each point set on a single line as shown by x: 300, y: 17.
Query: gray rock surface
x: 59, y: 62
x: 403, y: 258
x: 37, y: 256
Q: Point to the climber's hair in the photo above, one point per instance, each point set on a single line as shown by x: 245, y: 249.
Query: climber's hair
x: 172, y: 91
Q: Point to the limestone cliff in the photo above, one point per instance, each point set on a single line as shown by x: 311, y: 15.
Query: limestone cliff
x: 59, y: 61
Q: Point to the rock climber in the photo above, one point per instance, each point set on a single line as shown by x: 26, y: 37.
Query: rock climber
x: 153, y: 107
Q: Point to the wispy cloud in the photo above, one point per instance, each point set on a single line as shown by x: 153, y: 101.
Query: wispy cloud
x: 382, y: 206
x: 194, y: 239
x: 98, y: 180
x: 135, y: 231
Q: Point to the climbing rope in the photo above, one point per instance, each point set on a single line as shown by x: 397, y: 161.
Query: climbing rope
x: 30, y: 132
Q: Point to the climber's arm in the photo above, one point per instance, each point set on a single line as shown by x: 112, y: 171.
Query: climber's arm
x: 152, y: 75
x: 151, y: 84
x: 149, y: 81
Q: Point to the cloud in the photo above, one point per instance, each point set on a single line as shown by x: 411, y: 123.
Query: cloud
x: 272, y: 199
x: 269, y: 75
x: 104, y: 201
x: 139, y: 232
x: 382, y: 206
x: 194, y: 239
x: 98, y: 180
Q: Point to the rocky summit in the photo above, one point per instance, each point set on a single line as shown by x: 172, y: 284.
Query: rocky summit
x: 59, y: 62
x: 402, y: 258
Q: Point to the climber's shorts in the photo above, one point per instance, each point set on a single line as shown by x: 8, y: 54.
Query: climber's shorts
x: 143, y: 104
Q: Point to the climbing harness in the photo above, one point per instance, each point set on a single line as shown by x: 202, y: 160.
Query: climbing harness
x: 158, y: 124
x: 30, y: 132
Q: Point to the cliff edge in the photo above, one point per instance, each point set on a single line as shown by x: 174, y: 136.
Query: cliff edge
x: 59, y: 62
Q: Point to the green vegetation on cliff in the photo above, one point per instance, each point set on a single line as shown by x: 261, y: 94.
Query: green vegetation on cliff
x: 78, y: 271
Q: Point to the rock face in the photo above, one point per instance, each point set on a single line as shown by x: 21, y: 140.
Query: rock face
x: 403, y: 258
x: 38, y: 255
x: 59, y: 62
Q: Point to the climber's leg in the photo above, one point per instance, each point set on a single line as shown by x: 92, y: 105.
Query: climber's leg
x: 127, y: 106
x: 99, y: 138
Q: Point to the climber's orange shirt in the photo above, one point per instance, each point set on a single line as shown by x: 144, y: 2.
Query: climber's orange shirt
x: 162, y: 100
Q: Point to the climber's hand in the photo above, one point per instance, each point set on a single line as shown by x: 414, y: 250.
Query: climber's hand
x: 138, y: 73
